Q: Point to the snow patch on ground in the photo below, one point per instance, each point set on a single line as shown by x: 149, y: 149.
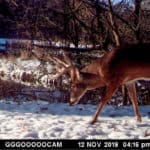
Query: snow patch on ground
x: 42, y: 120
x: 18, y: 69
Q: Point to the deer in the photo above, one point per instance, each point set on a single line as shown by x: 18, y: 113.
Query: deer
x: 122, y: 65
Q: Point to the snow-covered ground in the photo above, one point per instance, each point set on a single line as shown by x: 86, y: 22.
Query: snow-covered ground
x: 20, y: 70
x: 42, y: 120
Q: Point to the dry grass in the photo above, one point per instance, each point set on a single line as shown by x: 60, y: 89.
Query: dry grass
x: 13, y: 90
x: 16, y: 50
x: 25, y: 55
x: 7, y: 88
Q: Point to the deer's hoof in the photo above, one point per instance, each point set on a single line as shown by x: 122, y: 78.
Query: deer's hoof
x: 138, y: 119
x: 92, y: 121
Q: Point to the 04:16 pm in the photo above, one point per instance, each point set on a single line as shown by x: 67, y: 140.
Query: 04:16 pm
x: 131, y: 144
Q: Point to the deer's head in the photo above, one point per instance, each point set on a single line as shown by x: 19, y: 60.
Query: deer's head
x: 80, y: 81
x: 77, y: 86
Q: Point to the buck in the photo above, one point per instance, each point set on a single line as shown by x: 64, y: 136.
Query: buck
x: 120, y: 66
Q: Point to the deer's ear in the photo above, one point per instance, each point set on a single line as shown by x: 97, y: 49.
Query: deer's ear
x: 78, y: 75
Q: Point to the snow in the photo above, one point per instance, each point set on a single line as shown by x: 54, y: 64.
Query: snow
x: 2, y: 47
x: 44, y: 120
x: 14, y: 70
x: 59, y: 43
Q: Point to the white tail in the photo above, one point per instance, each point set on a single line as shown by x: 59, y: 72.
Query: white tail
x: 121, y: 66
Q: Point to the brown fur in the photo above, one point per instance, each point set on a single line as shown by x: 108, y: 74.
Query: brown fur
x: 120, y: 66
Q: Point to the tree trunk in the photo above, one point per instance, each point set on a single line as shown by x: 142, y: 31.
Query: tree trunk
x: 137, y: 10
x: 113, y: 25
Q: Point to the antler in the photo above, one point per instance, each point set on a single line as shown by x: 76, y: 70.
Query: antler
x: 63, y: 66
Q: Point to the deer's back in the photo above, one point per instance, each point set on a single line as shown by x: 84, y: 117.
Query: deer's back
x: 132, y: 53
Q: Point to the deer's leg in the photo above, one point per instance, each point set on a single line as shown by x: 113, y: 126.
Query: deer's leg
x: 132, y: 95
x: 124, y: 95
x: 110, y: 90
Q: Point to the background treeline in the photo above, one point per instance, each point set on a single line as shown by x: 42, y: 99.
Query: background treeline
x: 90, y: 25
x: 76, y: 21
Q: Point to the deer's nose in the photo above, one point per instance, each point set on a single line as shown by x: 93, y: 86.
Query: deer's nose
x: 71, y: 103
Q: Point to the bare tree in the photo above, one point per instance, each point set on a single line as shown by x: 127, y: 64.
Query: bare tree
x: 137, y: 10
x: 113, y: 24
